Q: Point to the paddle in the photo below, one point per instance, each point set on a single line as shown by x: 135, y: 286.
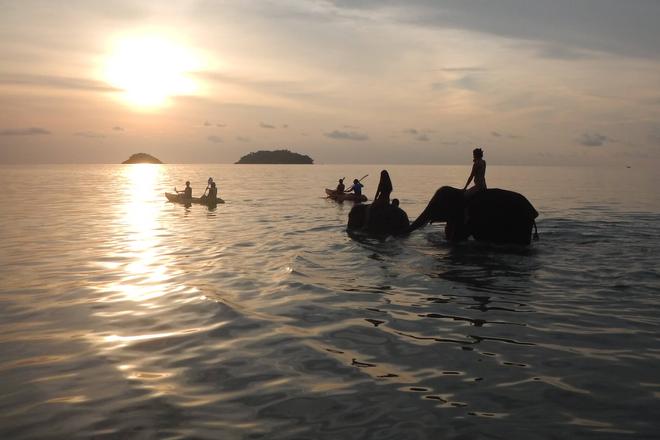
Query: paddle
x: 361, y: 179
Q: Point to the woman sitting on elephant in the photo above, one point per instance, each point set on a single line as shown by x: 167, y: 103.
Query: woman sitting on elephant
x: 382, y: 197
x: 478, y: 173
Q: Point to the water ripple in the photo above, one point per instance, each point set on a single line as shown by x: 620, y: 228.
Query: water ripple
x: 262, y: 318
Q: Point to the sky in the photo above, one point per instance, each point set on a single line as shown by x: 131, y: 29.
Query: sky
x: 534, y: 82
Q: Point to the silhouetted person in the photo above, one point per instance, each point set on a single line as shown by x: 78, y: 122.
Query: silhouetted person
x: 382, y: 197
x: 395, y: 203
x: 340, y: 186
x: 478, y: 173
x: 208, y: 186
x: 213, y: 192
x: 356, y: 188
x: 187, y: 193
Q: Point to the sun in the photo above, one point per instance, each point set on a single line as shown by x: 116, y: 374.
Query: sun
x: 151, y: 69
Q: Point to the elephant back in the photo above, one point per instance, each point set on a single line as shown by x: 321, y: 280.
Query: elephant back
x: 378, y: 221
x: 501, y: 202
x: 501, y: 216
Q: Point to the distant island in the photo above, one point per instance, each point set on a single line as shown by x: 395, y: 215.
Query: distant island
x: 275, y: 157
x: 142, y: 158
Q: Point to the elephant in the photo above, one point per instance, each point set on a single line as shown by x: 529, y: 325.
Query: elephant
x: 379, y: 221
x: 492, y: 215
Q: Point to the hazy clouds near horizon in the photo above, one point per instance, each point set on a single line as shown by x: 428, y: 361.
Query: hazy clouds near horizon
x: 418, y: 81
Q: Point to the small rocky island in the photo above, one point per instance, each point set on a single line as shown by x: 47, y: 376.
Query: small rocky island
x: 142, y: 158
x: 275, y: 157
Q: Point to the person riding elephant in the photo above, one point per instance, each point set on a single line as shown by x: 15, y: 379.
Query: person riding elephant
x: 493, y: 215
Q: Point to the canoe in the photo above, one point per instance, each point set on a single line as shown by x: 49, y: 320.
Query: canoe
x: 178, y: 198
x: 340, y: 197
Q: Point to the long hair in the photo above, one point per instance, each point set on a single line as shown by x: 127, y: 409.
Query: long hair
x: 385, y: 184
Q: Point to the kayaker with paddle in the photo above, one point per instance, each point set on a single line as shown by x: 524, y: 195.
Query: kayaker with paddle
x: 213, y: 192
x: 208, y: 188
x: 356, y: 188
x: 187, y: 193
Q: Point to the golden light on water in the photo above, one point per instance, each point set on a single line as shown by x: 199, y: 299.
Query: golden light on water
x: 152, y: 69
x: 144, y: 273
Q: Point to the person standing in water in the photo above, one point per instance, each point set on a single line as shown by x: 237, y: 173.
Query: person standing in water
x: 478, y: 174
x: 382, y: 197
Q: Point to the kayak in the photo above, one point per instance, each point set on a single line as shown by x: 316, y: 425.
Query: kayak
x: 340, y: 197
x: 178, y: 198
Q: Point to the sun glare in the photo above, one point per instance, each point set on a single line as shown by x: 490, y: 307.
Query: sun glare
x: 150, y: 70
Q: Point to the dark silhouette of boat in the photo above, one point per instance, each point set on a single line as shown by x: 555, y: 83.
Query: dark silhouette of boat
x: 340, y: 197
x: 178, y: 198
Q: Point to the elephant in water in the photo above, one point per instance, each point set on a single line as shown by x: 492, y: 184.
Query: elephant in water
x: 492, y: 215
x: 380, y: 221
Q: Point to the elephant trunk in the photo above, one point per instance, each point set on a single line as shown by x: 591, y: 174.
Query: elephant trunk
x: 436, y: 210
x: 422, y: 220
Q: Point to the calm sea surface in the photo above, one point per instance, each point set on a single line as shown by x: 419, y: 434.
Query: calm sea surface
x: 124, y: 316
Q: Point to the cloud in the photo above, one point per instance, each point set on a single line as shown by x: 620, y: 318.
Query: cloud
x: 293, y: 89
x: 593, y: 139
x: 31, y: 131
x: 654, y: 136
x: 611, y: 26
x: 221, y: 125
x: 348, y: 135
x: 117, y: 128
x: 417, y: 134
x: 264, y: 125
x: 559, y: 52
x: 57, y: 82
x: 438, y: 86
x: 89, y: 134
x: 462, y: 69
x: 214, y: 139
x: 499, y: 134
x: 285, y: 125
x: 466, y: 82
x: 207, y: 124
x: 242, y: 139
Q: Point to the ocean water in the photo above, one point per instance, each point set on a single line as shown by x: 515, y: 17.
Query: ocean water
x: 124, y: 316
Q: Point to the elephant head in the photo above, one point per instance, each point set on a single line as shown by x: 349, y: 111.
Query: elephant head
x: 493, y: 215
x: 378, y: 221
x: 446, y: 205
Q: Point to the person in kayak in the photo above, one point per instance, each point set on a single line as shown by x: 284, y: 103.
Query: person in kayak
x: 208, y: 184
x: 340, y: 187
x: 187, y: 193
x: 478, y: 173
x: 356, y: 188
x: 207, y: 191
x: 213, y: 192
x: 382, y: 197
